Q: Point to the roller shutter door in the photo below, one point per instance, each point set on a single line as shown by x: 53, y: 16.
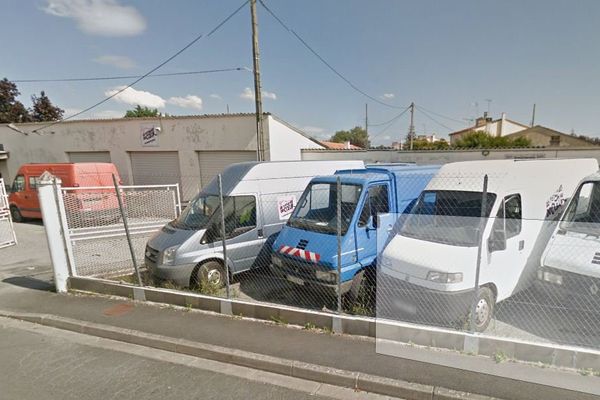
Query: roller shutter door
x: 89, y: 156
x: 213, y: 163
x: 155, y: 168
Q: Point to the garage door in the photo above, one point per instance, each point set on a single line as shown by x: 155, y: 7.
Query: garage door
x: 213, y: 163
x: 155, y: 167
x: 89, y: 156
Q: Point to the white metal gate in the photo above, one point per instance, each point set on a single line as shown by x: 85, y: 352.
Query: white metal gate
x: 7, y: 231
x: 94, y: 231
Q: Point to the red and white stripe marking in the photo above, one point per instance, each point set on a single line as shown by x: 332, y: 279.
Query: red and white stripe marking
x: 303, y: 254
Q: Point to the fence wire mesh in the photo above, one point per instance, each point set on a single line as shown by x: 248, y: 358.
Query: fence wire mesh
x: 7, y: 232
x: 430, y: 248
x: 98, y: 245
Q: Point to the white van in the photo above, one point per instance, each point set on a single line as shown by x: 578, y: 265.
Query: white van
x: 430, y: 266
x: 258, y: 200
x: 570, y: 265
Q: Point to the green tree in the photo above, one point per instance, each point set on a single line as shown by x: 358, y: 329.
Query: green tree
x: 142, y: 112
x: 44, y: 110
x: 11, y: 109
x: 482, y: 140
x: 422, y: 144
x: 356, y: 136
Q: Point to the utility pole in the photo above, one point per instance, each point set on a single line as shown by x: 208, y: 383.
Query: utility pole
x: 260, y: 151
x: 533, y: 116
x: 411, y: 128
x: 367, y: 120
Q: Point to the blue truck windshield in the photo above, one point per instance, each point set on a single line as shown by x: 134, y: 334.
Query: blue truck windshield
x: 317, y: 208
x: 447, y: 216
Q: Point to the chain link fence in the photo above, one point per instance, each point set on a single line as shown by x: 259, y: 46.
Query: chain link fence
x: 488, y: 248
x: 7, y: 232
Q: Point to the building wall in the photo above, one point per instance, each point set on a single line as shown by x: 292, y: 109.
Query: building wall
x: 285, y: 143
x: 447, y: 156
x: 501, y: 127
x: 541, y: 138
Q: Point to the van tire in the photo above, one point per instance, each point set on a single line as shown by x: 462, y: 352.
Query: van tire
x: 15, y: 214
x: 484, y: 311
x: 210, y: 272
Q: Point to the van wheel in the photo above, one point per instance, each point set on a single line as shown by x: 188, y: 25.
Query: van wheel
x: 484, y: 309
x: 16, y: 214
x: 211, y: 274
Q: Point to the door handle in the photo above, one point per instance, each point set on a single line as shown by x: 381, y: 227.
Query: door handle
x: 521, y: 244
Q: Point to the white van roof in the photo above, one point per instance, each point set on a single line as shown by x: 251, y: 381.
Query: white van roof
x: 502, y: 174
x: 254, y: 171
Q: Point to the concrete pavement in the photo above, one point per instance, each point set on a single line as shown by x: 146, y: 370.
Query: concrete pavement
x: 41, y: 362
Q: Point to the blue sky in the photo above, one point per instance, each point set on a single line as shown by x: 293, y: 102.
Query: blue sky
x: 446, y: 56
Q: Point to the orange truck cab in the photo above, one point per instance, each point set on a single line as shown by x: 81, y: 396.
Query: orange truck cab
x: 24, y: 202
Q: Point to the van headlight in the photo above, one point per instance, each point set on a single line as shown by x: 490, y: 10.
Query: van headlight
x: 276, y: 261
x: 445, y: 277
x: 169, y: 254
x: 327, y: 276
x: 550, y: 277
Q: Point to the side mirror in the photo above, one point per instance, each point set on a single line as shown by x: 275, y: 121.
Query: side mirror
x: 497, y: 241
x: 371, y: 224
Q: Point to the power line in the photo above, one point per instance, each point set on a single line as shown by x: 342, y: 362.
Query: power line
x: 391, y: 122
x: 441, y: 115
x: 184, y: 48
x: 110, y: 78
x: 314, y: 52
x: 433, y: 119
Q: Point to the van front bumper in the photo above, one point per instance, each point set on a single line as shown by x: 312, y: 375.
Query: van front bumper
x: 305, y: 274
x: 579, y: 291
x: 404, y: 301
x: 178, y: 274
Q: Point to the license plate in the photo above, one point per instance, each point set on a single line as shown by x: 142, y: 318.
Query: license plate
x: 295, y: 280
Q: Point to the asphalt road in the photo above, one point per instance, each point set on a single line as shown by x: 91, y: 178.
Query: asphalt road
x: 39, y: 362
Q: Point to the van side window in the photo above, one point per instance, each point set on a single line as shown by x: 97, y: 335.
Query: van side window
x: 33, y: 180
x: 18, y: 184
x: 240, y: 217
x: 509, y: 216
x: 377, y: 203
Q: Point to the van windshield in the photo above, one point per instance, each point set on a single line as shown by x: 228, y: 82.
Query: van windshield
x: 583, y: 214
x: 317, y: 208
x: 446, y: 216
x: 197, y: 214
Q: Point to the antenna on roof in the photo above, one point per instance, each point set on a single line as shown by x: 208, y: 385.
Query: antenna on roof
x: 533, y: 116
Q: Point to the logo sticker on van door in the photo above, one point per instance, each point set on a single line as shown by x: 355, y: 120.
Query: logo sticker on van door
x: 285, y: 206
x: 555, y: 202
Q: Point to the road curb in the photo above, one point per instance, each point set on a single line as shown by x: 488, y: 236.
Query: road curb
x: 297, y: 369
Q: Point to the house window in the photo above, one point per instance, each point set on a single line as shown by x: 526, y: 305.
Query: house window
x: 555, y: 140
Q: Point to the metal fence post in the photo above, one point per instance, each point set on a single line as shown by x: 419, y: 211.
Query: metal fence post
x: 339, y: 244
x: 54, y: 231
x: 223, y: 237
x: 479, y: 250
x: 126, y: 226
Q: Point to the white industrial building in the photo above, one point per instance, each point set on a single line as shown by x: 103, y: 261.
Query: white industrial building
x: 189, y: 150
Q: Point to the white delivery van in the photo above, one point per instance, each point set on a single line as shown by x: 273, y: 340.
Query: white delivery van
x: 570, y: 265
x: 430, y: 266
x: 258, y: 200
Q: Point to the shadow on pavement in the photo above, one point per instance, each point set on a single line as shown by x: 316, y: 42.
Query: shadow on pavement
x: 30, y: 283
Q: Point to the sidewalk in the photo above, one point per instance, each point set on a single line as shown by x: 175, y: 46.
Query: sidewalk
x: 430, y: 367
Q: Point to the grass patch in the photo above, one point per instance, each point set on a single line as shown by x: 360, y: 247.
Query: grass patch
x: 500, y: 356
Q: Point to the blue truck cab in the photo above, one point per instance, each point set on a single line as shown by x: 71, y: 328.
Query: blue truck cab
x: 372, y: 201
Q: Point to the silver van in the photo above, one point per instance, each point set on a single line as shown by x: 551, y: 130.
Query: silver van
x: 258, y: 199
